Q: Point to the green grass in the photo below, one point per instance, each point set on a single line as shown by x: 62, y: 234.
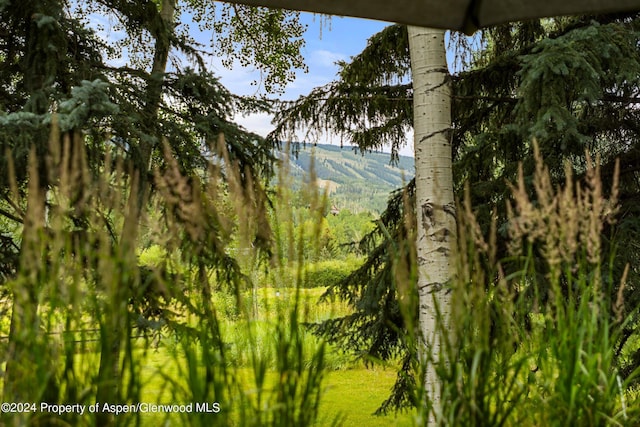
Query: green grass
x: 351, y: 392
x: 247, y: 347
x: 350, y: 395
x: 355, y: 394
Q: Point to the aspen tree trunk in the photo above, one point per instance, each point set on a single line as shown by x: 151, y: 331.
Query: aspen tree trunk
x: 435, y: 208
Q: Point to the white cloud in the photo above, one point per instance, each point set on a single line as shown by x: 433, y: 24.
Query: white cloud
x: 257, y: 123
x: 408, y: 150
x: 326, y: 58
x: 321, y: 58
x: 237, y: 79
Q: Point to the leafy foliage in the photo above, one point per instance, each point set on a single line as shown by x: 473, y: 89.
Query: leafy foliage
x: 55, y: 61
x: 369, y: 106
x: 571, y: 83
x: 269, y: 38
x: 72, y: 97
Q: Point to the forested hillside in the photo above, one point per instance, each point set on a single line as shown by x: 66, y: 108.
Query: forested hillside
x: 355, y: 181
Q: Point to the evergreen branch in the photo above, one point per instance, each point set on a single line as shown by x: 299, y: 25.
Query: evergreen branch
x: 125, y: 70
x: 504, y: 99
x: 12, y: 217
x: 11, y: 203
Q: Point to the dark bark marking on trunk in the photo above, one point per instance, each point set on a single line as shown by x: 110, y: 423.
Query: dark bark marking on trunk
x: 434, y: 287
x: 427, y: 215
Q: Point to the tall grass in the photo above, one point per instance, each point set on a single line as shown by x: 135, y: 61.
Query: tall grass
x: 86, y: 314
x: 530, y: 340
x: 285, y: 374
x: 532, y: 337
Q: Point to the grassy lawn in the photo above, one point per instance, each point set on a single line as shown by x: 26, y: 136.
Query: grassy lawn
x: 355, y: 394
x: 351, y: 395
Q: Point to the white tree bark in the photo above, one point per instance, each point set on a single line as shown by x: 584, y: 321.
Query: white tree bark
x: 435, y: 206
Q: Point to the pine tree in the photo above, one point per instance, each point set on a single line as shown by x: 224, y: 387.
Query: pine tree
x: 57, y: 84
x: 571, y: 83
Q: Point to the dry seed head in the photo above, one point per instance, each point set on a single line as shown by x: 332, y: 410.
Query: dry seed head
x: 34, y: 220
x: 618, y: 306
x: 524, y: 217
x: 69, y: 168
x: 569, y: 211
x: 566, y: 220
x: 181, y: 194
x: 470, y: 222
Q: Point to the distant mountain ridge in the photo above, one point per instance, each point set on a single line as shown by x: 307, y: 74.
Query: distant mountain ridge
x: 355, y: 181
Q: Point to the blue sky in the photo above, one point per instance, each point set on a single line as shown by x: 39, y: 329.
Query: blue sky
x: 338, y: 39
x: 327, y: 41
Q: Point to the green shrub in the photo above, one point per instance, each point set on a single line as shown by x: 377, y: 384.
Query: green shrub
x: 328, y: 273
